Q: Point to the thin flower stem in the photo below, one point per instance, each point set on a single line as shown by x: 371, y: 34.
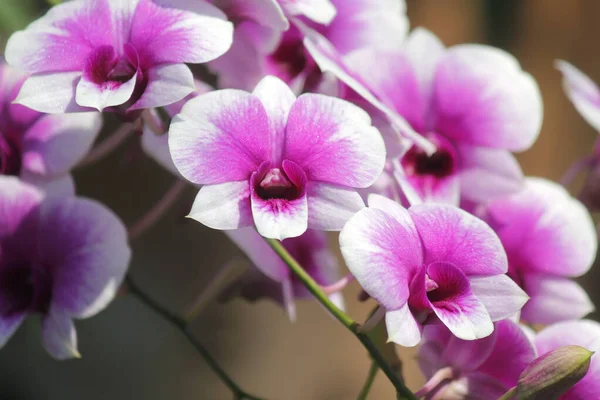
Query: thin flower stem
x: 339, y: 285
x: 154, y: 123
x: 369, y: 382
x: 576, y: 168
x: 313, y: 287
x: 107, y: 145
x: 180, y: 324
x: 435, y: 381
x: 158, y: 209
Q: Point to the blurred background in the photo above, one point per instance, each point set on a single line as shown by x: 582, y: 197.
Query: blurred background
x: 131, y: 353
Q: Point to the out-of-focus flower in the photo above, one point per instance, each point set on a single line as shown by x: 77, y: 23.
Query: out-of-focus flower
x: 270, y: 277
x: 40, y: 148
x: 430, y: 264
x: 473, y: 102
x: 585, y: 96
x: 63, y: 258
x: 271, y: 160
x: 584, y: 333
x: 110, y: 54
x: 348, y: 24
x: 549, y: 237
x: 481, y: 369
x: 156, y: 144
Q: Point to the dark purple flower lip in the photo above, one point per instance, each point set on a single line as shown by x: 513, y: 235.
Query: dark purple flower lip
x: 105, y: 67
x: 24, y: 287
x: 441, y: 164
x: 279, y: 183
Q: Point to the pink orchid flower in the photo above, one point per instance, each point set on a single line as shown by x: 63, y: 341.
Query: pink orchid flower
x: 584, y: 333
x: 549, y: 237
x: 348, y: 24
x: 480, y: 369
x: 62, y: 258
x: 32, y: 144
x: 268, y: 159
x: 472, y: 102
x: 108, y: 54
x: 430, y: 264
x: 270, y: 277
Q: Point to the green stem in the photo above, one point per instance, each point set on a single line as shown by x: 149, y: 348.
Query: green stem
x: 316, y: 290
x: 369, y: 383
x: 183, y: 327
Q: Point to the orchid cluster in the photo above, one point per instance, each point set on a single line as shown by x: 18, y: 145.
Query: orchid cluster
x: 308, y: 122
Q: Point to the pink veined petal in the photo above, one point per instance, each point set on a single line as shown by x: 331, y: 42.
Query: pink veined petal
x: 51, y: 93
x: 582, y: 91
x: 554, y: 299
x: 86, y: 244
x: 500, y: 295
x: 243, y: 66
x: 329, y: 60
x: 17, y: 201
x: 101, y: 96
x: 259, y: 252
x: 402, y: 327
x: 61, y: 40
x: 393, y: 79
x: 457, y: 306
x: 468, y: 355
x: 277, y: 98
x: 367, y: 23
x: 167, y: 84
x: 220, y: 136
x: 424, y: 51
x: 56, y: 143
x: 584, y: 333
x: 513, y: 351
x: 59, y: 336
x: 280, y: 218
x: 223, y: 206
x: 482, y: 97
x: 486, y: 174
x: 320, y: 11
x: 452, y: 235
x: 333, y: 141
x: 267, y: 13
x: 544, y: 229
x: 331, y: 206
x: 179, y: 31
x: 9, y: 325
x: 383, y: 251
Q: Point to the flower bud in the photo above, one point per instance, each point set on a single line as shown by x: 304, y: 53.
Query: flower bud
x: 551, y: 375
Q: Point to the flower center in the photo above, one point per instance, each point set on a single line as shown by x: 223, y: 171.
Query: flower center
x: 276, y: 185
x: 24, y: 287
x: 10, y: 155
x: 290, y: 56
x: 439, y: 164
x: 104, y: 66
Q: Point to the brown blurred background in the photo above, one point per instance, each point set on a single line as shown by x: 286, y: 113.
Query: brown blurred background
x: 131, y: 353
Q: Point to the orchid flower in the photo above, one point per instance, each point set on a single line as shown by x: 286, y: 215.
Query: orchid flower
x: 33, y: 146
x: 549, y: 237
x: 62, y: 258
x: 116, y: 55
x: 481, y: 369
x: 430, y: 264
x: 273, y: 161
x: 472, y: 102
